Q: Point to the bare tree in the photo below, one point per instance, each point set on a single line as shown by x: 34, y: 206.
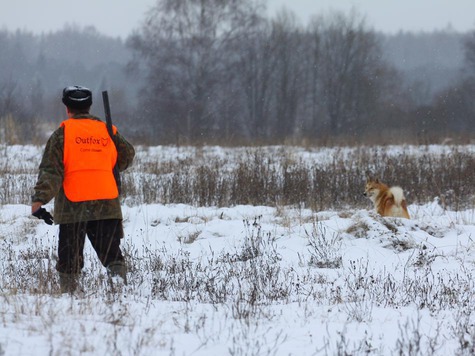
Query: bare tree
x: 453, y: 112
x: 469, y: 47
x: 313, y: 40
x: 8, y: 98
x: 289, y: 73
x: 256, y: 63
x: 351, y: 71
x: 453, y: 109
x: 186, y: 45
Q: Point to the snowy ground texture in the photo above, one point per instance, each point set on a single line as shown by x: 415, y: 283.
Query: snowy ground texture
x: 248, y: 280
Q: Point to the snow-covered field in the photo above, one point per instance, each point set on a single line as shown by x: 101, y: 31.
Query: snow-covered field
x: 246, y: 280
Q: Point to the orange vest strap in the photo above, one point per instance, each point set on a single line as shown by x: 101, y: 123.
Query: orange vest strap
x: 89, y: 158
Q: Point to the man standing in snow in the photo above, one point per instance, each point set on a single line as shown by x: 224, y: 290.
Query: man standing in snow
x: 77, y: 171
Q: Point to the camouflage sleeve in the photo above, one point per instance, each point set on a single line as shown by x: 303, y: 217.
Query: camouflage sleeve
x: 125, y: 152
x: 51, y: 170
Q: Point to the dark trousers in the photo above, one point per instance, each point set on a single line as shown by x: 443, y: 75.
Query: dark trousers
x: 104, y: 235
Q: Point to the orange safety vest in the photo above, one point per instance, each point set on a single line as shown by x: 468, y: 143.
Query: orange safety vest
x: 89, y: 158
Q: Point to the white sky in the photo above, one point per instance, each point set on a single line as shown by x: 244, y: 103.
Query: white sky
x: 120, y: 17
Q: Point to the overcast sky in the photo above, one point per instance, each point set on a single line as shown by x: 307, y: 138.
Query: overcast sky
x: 119, y: 17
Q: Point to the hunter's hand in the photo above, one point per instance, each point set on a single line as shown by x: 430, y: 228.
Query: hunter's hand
x: 35, y: 206
x: 42, y: 213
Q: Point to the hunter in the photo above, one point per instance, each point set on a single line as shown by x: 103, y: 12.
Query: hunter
x: 77, y: 171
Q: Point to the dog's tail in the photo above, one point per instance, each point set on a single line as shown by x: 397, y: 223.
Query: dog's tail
x: 398, y: 195
x: 400, y: 201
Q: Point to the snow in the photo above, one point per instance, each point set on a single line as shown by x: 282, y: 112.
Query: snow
x: 246, y: 280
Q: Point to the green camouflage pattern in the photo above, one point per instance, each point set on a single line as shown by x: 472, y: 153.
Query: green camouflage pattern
x: 49, y: 185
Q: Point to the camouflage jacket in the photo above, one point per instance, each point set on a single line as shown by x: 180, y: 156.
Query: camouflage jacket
x: 50, y: 182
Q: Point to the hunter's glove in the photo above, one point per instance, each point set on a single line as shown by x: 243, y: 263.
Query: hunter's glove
x: 43, y: 214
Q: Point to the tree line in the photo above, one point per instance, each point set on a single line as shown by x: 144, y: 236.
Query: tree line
x: 214, y: 71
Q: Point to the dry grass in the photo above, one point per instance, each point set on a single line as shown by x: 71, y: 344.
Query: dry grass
x: 266, y: 177
x: 284, y: 176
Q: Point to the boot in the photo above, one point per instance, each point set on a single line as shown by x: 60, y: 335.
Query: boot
x: 118, y: 268
x: 68, y: 282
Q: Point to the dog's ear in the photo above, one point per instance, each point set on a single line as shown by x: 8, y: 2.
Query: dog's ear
x: 376, y: 180
x: 368, y: 177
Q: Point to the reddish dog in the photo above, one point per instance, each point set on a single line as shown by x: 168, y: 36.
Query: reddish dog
x: 388, y: 201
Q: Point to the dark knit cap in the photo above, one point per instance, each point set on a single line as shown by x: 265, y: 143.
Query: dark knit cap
x: 77, y: 97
